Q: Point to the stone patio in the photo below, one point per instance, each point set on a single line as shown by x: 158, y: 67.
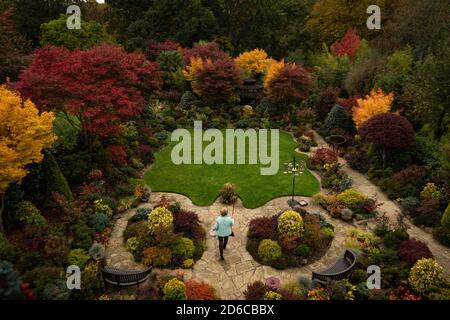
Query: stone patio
x: 230, y: 277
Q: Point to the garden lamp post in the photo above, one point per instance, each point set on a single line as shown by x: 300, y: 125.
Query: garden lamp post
x: 295, y: 169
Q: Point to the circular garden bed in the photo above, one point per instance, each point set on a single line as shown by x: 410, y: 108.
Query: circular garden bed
x: 289, y: 239
x: 165, y: 237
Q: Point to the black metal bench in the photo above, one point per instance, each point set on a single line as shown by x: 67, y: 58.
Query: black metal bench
x: 124, y: 278
x: 341, y: 269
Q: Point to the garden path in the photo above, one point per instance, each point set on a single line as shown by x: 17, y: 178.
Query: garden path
x: 230, y: 277
x: 392, y: 210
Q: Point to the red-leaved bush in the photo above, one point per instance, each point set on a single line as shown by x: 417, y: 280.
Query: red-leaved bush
x: 413, y: 174
x: 262, y: 228
x: 326, y: 101
x: 217, y: 80
x: 412, y: 250
x: 292, y: 84
x: 118, y: 154
x: 388, y: 130
x: 210, y: 50
x: 103, y: 86
x: 348, y: 45
x: 196, y: 290
x: 348, y: 103
x: 255, y: 291
x: 323, y: 156
x: 155, y: 48
x: 187, y: 222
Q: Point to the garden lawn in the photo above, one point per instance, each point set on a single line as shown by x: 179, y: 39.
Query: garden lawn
x: 201, y: 183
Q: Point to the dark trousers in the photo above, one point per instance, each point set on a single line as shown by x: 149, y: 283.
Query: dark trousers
x: 223, y: 241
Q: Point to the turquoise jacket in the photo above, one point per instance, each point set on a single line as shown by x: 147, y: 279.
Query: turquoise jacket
x: 223, y: 226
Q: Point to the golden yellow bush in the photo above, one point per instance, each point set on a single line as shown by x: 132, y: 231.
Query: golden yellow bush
x: 273, y: 67
x: 252, y: 62
x: 24, y: 132
x: 371, y: 105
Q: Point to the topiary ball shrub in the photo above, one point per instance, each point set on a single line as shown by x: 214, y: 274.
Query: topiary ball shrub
x: 269, y: 251
x: 98, y: 221
x: 174, y: 289
x: 425, y: 274
x: 78, y: 257
x: 184, y: 248
x: 303, y: 250
x: 351, y: 198
x: 290, y: 224
x: 160, y: 218
x: 445, y: 220
x: 413, y: 250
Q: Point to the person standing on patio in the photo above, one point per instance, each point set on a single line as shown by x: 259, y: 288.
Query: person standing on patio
x: 223, y: 229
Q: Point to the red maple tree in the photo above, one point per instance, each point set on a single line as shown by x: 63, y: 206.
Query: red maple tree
x: 292, y: 84
x: 155, y: 48
x: 210, y: 50
x: 348, y: 45
x: 216, y: 81
x: 103, y: 86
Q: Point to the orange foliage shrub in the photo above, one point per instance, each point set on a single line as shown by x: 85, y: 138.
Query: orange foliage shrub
x: 196, y: 290
x: 371, y: 105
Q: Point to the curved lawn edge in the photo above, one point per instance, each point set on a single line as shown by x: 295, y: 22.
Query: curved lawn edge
x: 201, y: 183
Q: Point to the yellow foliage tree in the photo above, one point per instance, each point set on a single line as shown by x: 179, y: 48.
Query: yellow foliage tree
x: 253, y: 62
x: 194, y: 66
x: 23, y: 134
x: 371, y: 105
x: 273, y: 67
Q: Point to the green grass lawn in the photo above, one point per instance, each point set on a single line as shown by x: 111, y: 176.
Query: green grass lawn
x: 201, y: 183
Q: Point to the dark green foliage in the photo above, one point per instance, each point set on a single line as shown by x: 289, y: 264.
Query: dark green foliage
x: 82, y: 235
x: 30, y: 15
x: 98, y: 221
x: 10, y: 282
x: 182, y: 21
x: 442, y: 234
x: 338, y: 118
x: 54, y: 179
x: 7, y: 252
x: 56, y: 290
x: 189, y: 100
x: 141, y: 214
x: 41, y: 276
x: 303, y: 250
x: 110, y: 202
x: 56, y: 33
